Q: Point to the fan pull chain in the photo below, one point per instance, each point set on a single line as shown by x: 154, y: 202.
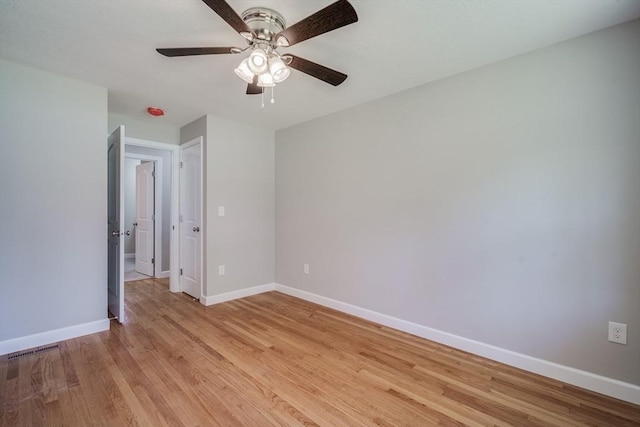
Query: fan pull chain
x: 262, y: 95
x: 273, y: 88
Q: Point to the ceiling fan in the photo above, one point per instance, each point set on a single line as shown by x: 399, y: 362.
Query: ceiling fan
x: 265, y: 31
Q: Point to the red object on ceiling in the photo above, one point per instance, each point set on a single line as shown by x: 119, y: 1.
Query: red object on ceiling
x: 154, y: 111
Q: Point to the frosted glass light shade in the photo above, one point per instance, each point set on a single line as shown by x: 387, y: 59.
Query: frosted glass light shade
x: 265, y: 80
x: 258, y: 61
x: 244, y: 72
x: 278, y: 70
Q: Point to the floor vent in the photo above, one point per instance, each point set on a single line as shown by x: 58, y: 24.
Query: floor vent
x: 32, y: 351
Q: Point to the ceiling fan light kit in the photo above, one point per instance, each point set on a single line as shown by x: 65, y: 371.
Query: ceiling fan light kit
x: 263, y: 62
x: 265, y: 80
x: 278, y: 70
x: 244, y: 72
x: 265, y: 31
x: 258, y: 61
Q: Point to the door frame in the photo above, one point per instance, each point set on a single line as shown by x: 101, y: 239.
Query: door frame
x: 195, y: 141
x: 157, y: 194
x: 174, y: 248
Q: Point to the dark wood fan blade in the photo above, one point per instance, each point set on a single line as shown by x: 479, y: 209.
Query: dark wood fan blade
x: 318, y: 71
x: 189, y: 51
x: 230, y: 16
x: 253, y: 88
x: 330, y: 18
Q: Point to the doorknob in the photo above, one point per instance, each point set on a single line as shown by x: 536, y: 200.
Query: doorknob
x: 135, y: 224
x: 115, y: 233
x: 196, y: 229
x: 128, y: 233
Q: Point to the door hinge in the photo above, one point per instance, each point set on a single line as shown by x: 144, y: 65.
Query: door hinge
x: 181, y: 218
x: 181, y: 164
x: 181, y: 272
x: 153, y: 260
x: 153, y: 217
x: 153, y: 174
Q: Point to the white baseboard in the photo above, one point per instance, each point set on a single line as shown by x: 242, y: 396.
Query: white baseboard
x: 587, y: 380
x: 163, y: 274
x: 600, y: 384
x: 127, y: 256
x: 242, y: 293
x: 44, y: 338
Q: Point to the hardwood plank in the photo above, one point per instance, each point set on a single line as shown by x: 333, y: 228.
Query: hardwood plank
x: 10, y: 398
x: 24, y: 396
x: 272, y: 359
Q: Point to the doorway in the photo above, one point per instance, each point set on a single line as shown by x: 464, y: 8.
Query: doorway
x: 145, y: 256
x: 166, y: 241
x: 165, y: 249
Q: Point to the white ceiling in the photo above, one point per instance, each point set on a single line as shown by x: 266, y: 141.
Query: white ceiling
x: 396, y: 45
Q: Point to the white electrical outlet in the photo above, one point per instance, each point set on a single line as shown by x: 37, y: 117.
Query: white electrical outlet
x: 220, y: 210
x: 618, y: 332
x: 306, y: 269
x: 221, y: 270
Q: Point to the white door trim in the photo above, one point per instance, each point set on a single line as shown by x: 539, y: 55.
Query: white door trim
x: 173, y: 238
x: 192, y: 142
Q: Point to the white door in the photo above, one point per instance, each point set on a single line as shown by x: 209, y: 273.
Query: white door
x: 144, y: 225
x: 191, y: 219
x: 115, y: 220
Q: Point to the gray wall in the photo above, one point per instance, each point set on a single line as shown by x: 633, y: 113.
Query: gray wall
x: 501, y: 204
x: 153, y: 130
x: 238, y: 175
x: 53, y: 202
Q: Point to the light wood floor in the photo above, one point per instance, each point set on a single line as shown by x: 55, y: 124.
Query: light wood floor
x: 272, y: 359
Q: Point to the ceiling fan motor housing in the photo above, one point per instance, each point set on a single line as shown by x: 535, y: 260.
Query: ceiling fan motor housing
x: 264, y: 24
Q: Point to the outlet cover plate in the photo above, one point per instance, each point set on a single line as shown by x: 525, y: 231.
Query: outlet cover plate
x: 618, y: 332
